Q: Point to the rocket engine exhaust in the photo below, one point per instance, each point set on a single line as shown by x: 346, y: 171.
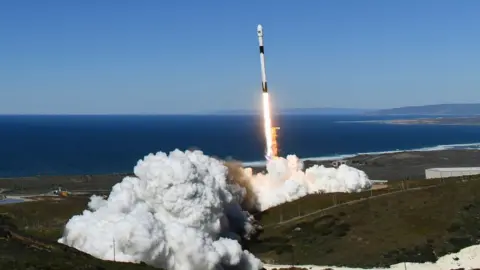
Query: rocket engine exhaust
x: 267, y: 125
x: 271, y: 150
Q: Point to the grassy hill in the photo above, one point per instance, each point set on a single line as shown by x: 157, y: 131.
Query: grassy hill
x: 414, y: 221
x: 408, y: 221
x: 28, y: 234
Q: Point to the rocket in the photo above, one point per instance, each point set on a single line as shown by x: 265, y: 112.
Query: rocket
x: 270, y: 133
x: 262, y: 58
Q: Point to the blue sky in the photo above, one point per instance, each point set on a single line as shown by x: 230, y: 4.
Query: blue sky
x: 116, y: 56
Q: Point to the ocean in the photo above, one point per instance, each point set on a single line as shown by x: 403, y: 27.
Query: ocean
x: 53, y: 145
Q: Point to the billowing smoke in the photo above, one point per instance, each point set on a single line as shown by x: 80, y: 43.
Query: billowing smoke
x: 174, y: 214
x: 286, y: 181
x: 236, y: 175
x: 185, y: 210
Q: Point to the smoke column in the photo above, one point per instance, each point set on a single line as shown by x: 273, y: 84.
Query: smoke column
x: 178, y: 212
x: 182, y: 211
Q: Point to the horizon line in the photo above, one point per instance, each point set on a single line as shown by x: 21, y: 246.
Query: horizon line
x: 156, y: 114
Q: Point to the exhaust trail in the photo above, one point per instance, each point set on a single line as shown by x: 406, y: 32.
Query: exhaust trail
x: 267, y: 126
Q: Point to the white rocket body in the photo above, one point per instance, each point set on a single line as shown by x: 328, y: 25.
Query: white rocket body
x: 262, y: 58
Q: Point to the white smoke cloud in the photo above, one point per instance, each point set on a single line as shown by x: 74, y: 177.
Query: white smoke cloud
x: 171, y: 215
x: 285, y: 181
x: 180, y: 212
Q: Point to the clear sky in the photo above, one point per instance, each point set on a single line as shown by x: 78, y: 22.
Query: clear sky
x: 155, y: 56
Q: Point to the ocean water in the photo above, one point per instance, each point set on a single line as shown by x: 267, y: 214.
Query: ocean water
x: 33, y: 145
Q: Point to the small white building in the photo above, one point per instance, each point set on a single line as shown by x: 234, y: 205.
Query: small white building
x: 451, y: 172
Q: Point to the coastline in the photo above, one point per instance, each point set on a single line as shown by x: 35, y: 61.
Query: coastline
x: 392, y: 165
x: 329, y: 158
x: 443, y: 121
x: 407, y: 159
x: 408, y: 164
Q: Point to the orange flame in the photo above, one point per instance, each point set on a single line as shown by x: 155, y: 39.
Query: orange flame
x: 274, y: 142
x: 270, y: 132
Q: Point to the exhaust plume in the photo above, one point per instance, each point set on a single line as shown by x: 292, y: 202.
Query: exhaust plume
x: 267, y: 127
x: 184, y: 210
x: 286, y: 181
x: 173, y: 214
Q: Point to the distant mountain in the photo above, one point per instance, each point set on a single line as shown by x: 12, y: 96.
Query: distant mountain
x: 438, y: 109
x: 467, y: 109
x: 301, y: 111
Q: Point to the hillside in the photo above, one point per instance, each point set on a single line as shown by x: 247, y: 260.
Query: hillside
x: 413, y: 225
x: 415, y: 221
x: 28, y: 234
x: 437, y: 109
x: 411, y: 220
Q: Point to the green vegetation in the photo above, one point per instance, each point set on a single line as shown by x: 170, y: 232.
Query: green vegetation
x: 411, y: 220
x: 418, y: 221
x: 44, y: 219
x: 28, y: 235
x: 45, y: 183
x: 312, y: 203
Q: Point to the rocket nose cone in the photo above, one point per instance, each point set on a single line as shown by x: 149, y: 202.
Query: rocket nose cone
x: 260, y: 31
